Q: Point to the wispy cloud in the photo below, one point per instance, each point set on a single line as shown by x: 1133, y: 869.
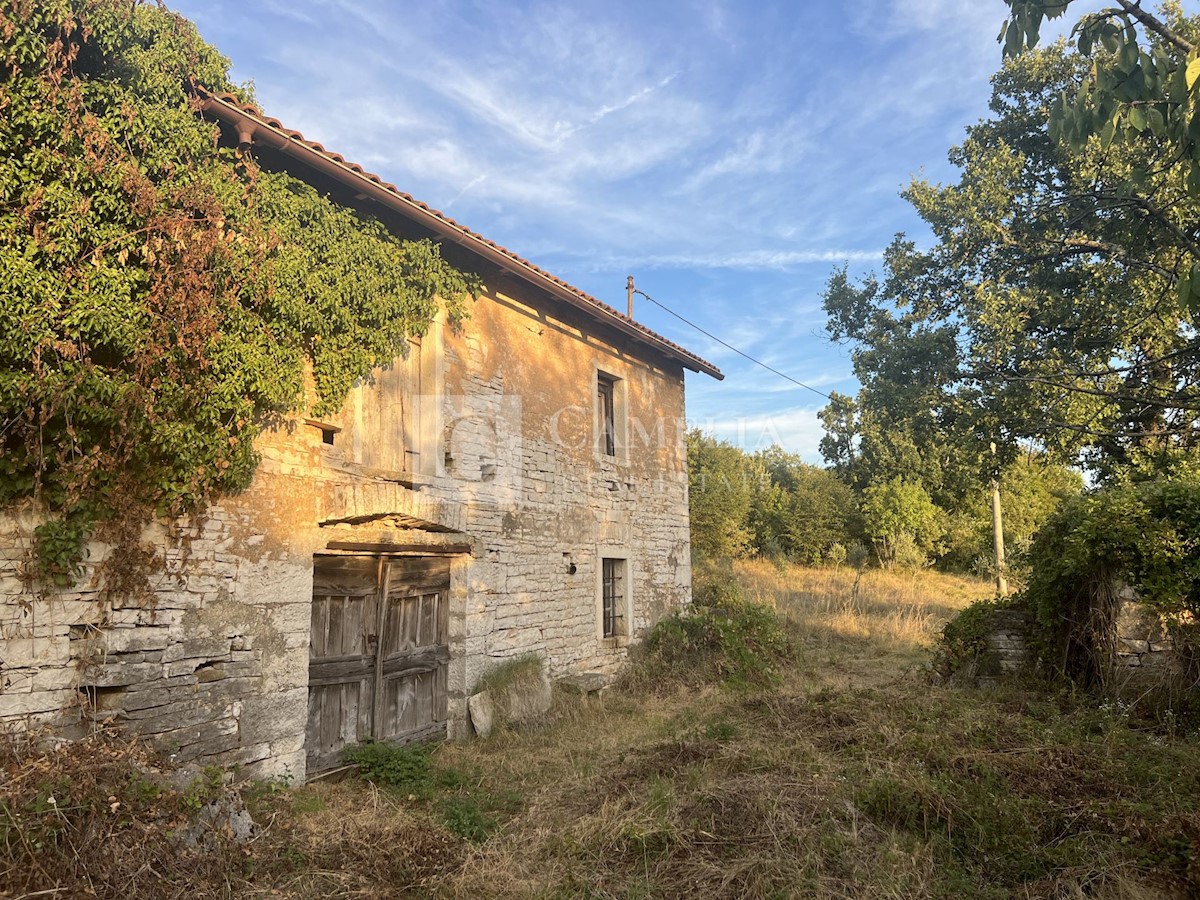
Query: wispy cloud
x: 730, y: 155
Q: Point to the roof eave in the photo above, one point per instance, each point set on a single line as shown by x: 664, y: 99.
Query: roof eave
x: 253, y: 128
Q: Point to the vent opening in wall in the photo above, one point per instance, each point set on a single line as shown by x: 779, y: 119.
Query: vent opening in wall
x: 328, y: 430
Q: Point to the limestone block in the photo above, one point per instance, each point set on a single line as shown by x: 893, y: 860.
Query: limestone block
x: 128, y: 640
x: 35, y: 651
x: 13, y: 705
x: 115, y: 675
x: 275, y: 716
x: 20, y: 681
x: 483, y: 713
x: 55, y: 678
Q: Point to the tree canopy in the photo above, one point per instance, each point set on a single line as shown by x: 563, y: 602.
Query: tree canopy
x: 1045, y: 311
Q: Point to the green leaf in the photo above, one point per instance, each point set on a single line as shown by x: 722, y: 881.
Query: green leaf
x: 1193, y: 72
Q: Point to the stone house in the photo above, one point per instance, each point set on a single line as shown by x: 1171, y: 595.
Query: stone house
x: 515, y: 486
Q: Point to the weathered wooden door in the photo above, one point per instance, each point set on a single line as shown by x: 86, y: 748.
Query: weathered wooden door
x: 378, y: 654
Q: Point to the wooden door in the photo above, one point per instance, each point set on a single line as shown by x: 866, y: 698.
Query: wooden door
x: 378, y: 652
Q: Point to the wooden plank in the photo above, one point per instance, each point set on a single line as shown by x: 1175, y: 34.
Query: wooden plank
x: 319, y: 627
x: 427, y: 660
x: 375, y: 645
x: 405, y: 715
x: 429, y: 619
x: 386, y: 548
x: 443, y: 622
x: 441, y: 696
x: 312, y: 731
x: 423, y: 697
x: 352, y: 576
x: 411, y: 574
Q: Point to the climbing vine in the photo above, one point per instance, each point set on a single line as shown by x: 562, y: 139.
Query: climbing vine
x: 160, y: 295
x: 1144, y: 536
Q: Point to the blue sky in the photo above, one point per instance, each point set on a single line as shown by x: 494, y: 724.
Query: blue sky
x: 728, y: 155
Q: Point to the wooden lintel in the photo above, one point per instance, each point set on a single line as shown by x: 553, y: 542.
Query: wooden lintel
x: 384, y: 547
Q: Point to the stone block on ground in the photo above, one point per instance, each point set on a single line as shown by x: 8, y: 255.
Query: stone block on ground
x: 518, y: 691
x: 589, y: 684
x: 483, y: 713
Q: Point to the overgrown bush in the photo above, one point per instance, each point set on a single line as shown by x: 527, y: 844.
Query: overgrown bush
x: 964, y: 641
x: 1142, y: 536
x: 722, y: 638
x: 160, y: 296
x: 98, y: 817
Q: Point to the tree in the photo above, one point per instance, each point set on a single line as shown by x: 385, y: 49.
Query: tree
x: 719, y: 490
x: 799, y: 510
x: 1045, y: 311
x: 902, y: 522
x: 1140, y: 89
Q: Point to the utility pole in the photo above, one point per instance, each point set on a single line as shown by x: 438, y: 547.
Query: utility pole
x: 629, y: 292
x: 998, y: 530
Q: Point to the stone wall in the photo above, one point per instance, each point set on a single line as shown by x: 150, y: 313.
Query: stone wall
x: 1142, y: 639
x: 190, y: 664
x: 211, y: 660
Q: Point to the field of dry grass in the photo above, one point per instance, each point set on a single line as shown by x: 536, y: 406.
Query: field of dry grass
x: 860, y: 616
x: 848, y: 776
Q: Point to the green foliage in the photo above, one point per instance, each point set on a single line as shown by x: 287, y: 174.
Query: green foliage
x: 405, y: 767
x: 1032, y: 488
x: 964, y: 640
x: 902, y: 522
x: 1044, y: 311
x: 722, y: 638
x: 1140, y: 89
x: 160, y: 296
x: 798, y: 509
x: 770, y: 503
x: 409, y: 769
x: 719, y: 492
x: 1145, y: 535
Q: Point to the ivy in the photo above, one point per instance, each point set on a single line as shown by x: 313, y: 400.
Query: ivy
x: 1145, y: 535
x: 161, y: 296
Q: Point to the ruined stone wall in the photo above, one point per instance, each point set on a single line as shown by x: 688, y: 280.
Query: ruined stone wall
x: 211, y: 660
x: 190, y: 663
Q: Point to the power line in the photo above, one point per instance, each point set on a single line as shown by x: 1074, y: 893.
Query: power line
x: 757, y: 362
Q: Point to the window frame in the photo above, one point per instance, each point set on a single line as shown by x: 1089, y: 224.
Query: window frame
x: 609, y: 425
x: 621, y: 615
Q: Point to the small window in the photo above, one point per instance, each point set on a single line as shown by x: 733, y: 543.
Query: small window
x: 613, y: 597
x: 606, y: 413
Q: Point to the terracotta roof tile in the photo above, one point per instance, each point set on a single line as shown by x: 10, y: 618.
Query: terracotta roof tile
x: 218, y: 104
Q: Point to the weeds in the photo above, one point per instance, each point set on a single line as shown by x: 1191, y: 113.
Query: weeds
x: 464, y: 807
x: 844, y: 778
x: 722, y: 638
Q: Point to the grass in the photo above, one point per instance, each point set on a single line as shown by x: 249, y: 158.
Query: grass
x: 848, y: 775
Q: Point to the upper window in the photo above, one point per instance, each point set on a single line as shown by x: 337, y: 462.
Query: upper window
x: 606, y: 414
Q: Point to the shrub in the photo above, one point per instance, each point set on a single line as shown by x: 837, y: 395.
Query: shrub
x: 1146, y: 536
x: 721, y: 638
x: 464, y: 807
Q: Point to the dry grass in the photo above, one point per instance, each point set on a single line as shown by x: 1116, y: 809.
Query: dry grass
x: 860, y: 625
x: 848, y: 779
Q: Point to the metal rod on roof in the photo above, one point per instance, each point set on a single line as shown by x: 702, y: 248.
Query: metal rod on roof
x: 629, y: 291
